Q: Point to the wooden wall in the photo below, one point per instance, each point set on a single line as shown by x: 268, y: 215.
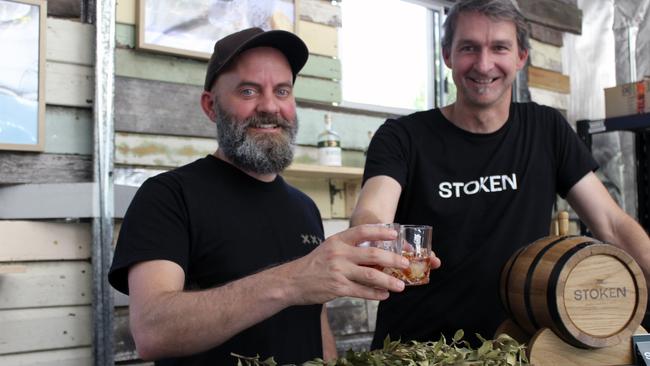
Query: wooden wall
x: 549, y: 19
x: 45, y: 240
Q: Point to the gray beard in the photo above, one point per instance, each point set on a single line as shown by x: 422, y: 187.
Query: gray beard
x: 259, y: 154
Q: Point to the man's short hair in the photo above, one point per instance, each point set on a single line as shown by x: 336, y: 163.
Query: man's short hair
x: 228, y: 48
x: 494, y: 9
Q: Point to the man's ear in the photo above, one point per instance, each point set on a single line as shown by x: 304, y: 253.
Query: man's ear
x: 523, y: 56
x: 445, y: 57
x: 207, y: 104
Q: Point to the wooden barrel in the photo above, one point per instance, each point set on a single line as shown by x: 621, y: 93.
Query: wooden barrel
x: 591, y: 294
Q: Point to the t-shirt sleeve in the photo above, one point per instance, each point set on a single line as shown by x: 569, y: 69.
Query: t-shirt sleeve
x: 154, y: 227
x: 572, y: 155
x: 388, y: 153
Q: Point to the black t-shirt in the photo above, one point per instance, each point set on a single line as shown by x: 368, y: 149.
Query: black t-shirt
x: 219, y: 225
x: 485, y: 195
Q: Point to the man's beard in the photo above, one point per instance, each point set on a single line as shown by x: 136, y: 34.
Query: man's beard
x: 261, y: 153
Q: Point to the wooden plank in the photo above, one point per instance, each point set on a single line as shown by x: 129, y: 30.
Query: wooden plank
x: 70, y: 41
x: 42, y: 241
x: 11, y: 268
x: 550, y: 80
x: 125, y: 11
x: 24, y: 167
x: 64, y: 9
x: 320, y: 39
x: 50, y: 200
x: 553, y: 13
x: 47, y: 284
x: 140, y: 107
x: 160, y: 151
x: 546, y: 34
x: 69, y: 85
x: 322, y: 67
x: 550, y: 98
x: 318, y: 11
x: 81, y: 356
x: 28, y: 330
x: 299, y: 170
x: 56, y: 200
x: 545, y: 56
x: 68, y: 130
x: 124, y: 35
x: 151, y: 66
x: 325, y: 91
x: 317, y: 66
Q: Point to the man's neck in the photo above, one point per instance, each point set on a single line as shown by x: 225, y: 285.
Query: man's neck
x: 477, y: 119
x: 261, y: 177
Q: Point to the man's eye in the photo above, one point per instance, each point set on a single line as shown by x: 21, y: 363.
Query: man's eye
x: 284, y: 92
x: 247, y: 92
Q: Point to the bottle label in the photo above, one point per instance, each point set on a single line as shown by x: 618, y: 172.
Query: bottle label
x: 329, y: 156
x: 329, y: 143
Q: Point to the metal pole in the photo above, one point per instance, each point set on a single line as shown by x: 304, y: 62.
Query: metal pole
x: 103, y: 176
x: 632, y: 33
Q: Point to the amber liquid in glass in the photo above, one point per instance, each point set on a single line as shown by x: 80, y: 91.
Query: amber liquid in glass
x: 418, y: 271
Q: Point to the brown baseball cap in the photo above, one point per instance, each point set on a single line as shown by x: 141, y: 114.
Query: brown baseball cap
x: 230, y: 46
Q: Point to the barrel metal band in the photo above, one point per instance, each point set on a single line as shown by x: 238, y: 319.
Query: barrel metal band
x: 552, y: 287
x: 529, y: 277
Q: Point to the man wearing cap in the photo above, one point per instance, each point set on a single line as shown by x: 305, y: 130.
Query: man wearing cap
x: 221, y: 255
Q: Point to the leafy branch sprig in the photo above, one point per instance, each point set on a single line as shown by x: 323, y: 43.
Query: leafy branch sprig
x: 502, y: 351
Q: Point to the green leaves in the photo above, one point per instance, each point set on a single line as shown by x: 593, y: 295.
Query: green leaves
x: 502, y: 351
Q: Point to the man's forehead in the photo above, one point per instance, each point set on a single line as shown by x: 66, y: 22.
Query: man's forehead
x: 473, y: 25
x: 256, y: 60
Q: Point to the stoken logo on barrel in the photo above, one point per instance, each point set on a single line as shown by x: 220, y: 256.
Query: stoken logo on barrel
x: 599, y: 293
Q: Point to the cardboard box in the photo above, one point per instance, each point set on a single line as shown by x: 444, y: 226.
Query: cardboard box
x: 626, y: 99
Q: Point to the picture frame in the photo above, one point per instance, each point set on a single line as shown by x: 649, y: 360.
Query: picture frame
x: 191, y: 27
x: 22, y: 76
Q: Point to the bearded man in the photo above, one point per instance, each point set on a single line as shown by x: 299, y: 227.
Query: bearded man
x: 221, y: 255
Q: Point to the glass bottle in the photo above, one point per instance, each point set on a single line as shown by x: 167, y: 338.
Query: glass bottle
x: 329, y: 145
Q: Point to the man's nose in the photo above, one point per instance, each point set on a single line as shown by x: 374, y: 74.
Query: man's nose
x: 484, y: 62
x: 268, y: 103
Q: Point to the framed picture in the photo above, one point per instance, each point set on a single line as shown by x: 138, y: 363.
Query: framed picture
x: 22, y: 74
x: 191, y: 27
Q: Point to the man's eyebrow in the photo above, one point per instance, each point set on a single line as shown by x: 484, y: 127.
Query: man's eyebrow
x: 498, y: 42
x: 259, y: 86
x: 249, y: 83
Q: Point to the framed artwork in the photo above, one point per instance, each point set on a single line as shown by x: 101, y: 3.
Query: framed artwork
x: 191, y: 27
x: 22, y: 74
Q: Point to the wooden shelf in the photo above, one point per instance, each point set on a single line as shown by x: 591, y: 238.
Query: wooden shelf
x: 321, y: 171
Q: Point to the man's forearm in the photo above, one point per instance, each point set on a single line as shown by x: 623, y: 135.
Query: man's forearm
x: 204, y: 319
x: 631, y: 237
